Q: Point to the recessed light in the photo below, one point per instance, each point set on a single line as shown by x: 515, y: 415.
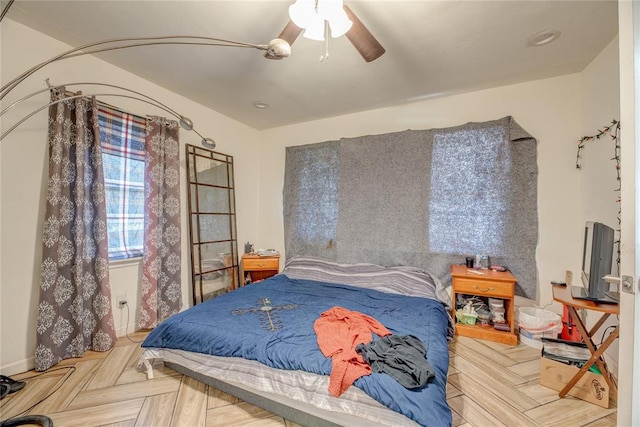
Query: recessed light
x: 260, y: 105
x: 542, y: 38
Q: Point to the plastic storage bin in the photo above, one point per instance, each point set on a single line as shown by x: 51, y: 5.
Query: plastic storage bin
x: 536, y: 323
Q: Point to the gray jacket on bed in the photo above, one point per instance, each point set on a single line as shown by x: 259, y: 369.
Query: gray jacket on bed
x: 400, y: 356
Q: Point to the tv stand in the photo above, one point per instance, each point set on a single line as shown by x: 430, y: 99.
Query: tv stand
x: 614, y: 295
x: 578, y: 292
x: 563, y: 295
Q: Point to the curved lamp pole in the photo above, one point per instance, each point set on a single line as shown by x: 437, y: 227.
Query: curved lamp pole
x: 275, y: 49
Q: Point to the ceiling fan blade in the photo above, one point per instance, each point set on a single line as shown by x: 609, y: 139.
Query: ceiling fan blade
x: 289, y: 34
x: 362, y: 39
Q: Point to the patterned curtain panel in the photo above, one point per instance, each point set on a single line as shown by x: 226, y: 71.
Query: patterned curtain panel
x: 74, y: 314
x: 161, y: 294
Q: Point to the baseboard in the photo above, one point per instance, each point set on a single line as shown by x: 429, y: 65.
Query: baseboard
x: 19, y: 367
x: 125, y: 320
x: 124, y: 330
x: 29, y: 363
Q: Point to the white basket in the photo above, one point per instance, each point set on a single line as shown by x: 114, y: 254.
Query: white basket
x: 536, y: 323
x: 534, y: 339
x: 537, y: 320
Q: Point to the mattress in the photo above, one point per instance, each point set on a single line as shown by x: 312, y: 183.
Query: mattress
x: 304, y: 391
x: 272, y: 323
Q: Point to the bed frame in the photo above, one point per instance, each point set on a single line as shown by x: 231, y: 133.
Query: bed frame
x: 298, y: 412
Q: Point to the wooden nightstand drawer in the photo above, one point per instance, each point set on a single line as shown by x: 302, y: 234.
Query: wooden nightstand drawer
x: 484, y: 287
x: 256, y: 268
x: 261, y: 264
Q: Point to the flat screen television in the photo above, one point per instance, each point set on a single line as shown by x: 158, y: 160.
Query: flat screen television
x: 597, y: 255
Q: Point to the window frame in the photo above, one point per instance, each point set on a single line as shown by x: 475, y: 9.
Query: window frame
x: 122, y: 136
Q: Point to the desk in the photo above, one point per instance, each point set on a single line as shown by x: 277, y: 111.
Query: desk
x: 562, y: 294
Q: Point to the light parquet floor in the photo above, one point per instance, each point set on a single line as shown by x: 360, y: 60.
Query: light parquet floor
x: 490, y: 384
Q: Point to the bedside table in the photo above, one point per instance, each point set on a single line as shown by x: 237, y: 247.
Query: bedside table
x: 492, y: 284
x: 260, y: 267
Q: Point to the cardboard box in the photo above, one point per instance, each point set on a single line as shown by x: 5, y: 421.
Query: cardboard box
x: 591, y: 387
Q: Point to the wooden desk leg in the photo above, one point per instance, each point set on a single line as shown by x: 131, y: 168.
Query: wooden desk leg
x: 610, y: 339
x: 599, y: 361
x: 586, y: 336
x: 598, y: 324
x: 595, y: 355
x: 595, y: 358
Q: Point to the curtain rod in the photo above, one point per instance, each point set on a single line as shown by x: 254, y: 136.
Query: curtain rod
x: 185, y: 122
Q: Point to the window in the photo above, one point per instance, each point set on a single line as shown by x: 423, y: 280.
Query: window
x: 311, y: 199
x: 123, y: 137
x: 469, y: 191
x: 425, y: 198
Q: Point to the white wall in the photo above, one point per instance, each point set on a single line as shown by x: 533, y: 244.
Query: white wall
x: 548, y: 109
x: 23, y: 171
x: 600, y: 105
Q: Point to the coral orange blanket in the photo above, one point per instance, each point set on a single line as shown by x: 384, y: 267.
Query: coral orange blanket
x: 339, y: 331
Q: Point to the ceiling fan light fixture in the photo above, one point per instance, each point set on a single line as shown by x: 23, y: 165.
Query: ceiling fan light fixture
x: 302, y: 12
x: 340, y: 25
x: 333, y: 12
x: 311, y: 14
x: 315, y: 29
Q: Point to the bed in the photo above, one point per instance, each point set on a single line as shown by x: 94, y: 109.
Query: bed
x: 259, y: 344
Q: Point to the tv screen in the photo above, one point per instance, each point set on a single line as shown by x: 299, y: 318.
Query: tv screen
x: 596, y: 259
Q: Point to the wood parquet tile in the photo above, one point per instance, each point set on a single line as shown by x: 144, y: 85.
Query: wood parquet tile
x: 490, y: 384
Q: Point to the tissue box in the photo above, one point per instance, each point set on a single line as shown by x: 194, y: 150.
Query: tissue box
x: 466, y: 318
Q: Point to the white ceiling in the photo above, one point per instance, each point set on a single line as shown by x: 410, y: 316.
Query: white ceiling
x: 433, y: 48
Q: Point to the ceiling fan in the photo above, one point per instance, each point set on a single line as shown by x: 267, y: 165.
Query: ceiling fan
x: 359, y: 36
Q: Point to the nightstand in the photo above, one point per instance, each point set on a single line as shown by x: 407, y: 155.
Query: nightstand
x: 485, y: 283
x: 259, y: 267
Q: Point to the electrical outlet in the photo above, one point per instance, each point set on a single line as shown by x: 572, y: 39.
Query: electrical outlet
x: 568, y: 277
x: 122, y: 300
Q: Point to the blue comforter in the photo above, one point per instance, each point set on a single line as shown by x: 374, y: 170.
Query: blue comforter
x: 234, y: 325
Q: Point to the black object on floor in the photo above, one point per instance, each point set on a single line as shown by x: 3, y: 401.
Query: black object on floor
x: 41, y: 420
x: 14, y: 385
x: 4, y: 390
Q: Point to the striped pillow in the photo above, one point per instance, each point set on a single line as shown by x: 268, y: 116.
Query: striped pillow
x: 403, y: 280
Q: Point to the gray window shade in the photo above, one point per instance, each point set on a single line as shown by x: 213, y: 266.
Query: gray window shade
x: 423, y: 198
x: 470, y: 171
x: 311, y: 199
